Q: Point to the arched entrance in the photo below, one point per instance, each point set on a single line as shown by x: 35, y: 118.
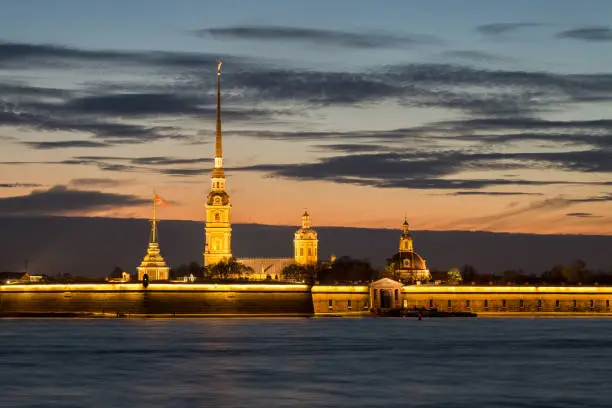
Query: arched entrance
x: 386, y: 299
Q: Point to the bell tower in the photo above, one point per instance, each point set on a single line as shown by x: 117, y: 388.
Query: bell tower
x: 406, y: 242
x: 218, y: 228
x: 305, y: 243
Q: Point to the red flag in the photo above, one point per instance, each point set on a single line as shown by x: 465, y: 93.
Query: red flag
x: 158, y: 200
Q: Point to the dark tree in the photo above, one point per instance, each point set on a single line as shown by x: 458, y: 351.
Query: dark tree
x: 300, y: 273
x: 195, y: 269
x: 348, y: 270
x: 117, y: 273
x: 229, y: 269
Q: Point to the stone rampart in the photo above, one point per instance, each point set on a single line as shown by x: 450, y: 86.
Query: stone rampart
x: 157, y: 299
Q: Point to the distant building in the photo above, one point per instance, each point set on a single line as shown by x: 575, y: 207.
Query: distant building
x: 124, y: 278
x: 305, y: 243
x: 408, y: 265
x: 153, y: 264
x: 9, y: 278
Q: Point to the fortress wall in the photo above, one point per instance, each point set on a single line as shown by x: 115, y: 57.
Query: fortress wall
x: 228, y: 299
x: 157, y: 299
x: 341, y: 299
x: 529, y: 299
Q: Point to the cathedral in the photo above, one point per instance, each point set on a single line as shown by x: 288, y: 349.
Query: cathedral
x: 218, y: 229
x: 407, y: 265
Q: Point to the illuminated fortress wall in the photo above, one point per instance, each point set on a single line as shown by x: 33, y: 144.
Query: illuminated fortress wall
x: 157, y: 299
x: 478, y: 299
x: 341, y: 299
x: 285, y: 299
x: 511, y: 299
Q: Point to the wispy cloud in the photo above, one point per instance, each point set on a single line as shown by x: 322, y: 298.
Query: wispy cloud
x: 582, y: 215
x: 66, y: 144
x: 19, y: 185
x: 314, y: 36
x: 474, y: 56
x: 589, y: 34
x: 99, y: 182
x: 491, y: 193
x: 61, y: 200
x: 503, y: 28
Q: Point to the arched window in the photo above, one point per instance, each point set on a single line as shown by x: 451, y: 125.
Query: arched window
x: 301, y: 251
x: 217, y: 217
x: 309, y: 251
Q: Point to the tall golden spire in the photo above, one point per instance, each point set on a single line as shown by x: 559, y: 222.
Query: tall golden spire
x: 153, y: 238
x: 218, y: 168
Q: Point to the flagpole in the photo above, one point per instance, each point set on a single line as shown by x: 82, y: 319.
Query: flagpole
x: 154, y: 221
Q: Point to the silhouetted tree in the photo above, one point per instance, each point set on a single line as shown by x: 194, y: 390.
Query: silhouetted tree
x: 469, y: 273
x: 229, y: 269
x: 299, y: 273
x: 554, y: 275
x: 348, y: 270
x: 116, y: 273
x: 513, y: 276
x: 195, y: 269
x: 576, y: 272
x: 454, y: 276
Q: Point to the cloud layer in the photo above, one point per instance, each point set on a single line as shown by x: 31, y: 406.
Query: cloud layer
x: 60, y: 200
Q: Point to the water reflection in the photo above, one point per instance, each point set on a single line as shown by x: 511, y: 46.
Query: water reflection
x: 305, y: 362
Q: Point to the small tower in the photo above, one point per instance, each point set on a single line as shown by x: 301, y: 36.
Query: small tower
x: 218, y: 228
x: 153, y: 264
x: 406, y: 242
x: 306, y: 243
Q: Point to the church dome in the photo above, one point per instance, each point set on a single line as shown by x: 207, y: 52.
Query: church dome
x: 218, y: 198
x: 306, y: 233
x: 409, y: 260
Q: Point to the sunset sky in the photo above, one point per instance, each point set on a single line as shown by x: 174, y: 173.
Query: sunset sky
x: 462, y: 115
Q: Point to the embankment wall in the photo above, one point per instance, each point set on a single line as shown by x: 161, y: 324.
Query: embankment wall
x: 157, y: 299
x: 502, y: 300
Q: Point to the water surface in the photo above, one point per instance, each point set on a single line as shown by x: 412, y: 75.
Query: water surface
x: 306, y: 363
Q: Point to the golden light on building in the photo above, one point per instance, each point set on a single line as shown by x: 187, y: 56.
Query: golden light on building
x: 153, y: 265
x: 218, y: 229
x: 407, y: 264
x: 306, y: 243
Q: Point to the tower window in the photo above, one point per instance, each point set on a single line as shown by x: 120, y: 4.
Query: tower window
x: 309, y: 251
x: 217, y: 217
x: 217, y: 200
x: 301, y: 251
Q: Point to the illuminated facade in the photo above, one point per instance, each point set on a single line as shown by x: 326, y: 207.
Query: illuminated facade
x: 407, y: 265
x: 218, y: 228
x: 153, y: 264
x: 305, y: 243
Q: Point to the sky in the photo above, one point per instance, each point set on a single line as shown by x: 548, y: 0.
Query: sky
x: 471, y: 115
